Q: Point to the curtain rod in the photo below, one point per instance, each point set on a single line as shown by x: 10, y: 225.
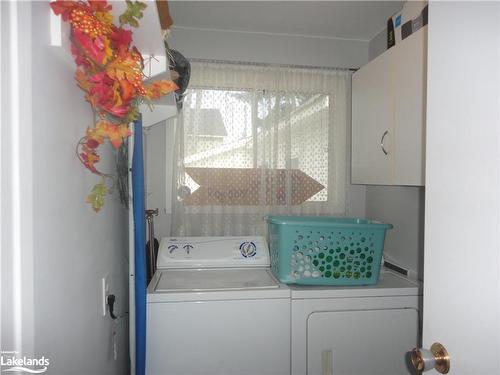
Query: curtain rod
x: 271, y: 64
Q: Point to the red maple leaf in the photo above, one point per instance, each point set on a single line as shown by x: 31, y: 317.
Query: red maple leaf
x: 93, y: 48
x: 63, y: 8
x: 99, y: 6
x: 80, y: 59
x: 89, y: 158
x: 117, y: 110
x: 121, y: 38
x: 101, y: 90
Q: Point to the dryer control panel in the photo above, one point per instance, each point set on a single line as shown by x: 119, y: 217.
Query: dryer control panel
x: 212, y: 252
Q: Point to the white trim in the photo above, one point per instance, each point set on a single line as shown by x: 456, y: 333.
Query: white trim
x: 268, y: 33
x: 17, y: 182
x: 131, y: 256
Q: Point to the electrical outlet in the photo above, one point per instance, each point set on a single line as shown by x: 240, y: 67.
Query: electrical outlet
x: 104, y: 294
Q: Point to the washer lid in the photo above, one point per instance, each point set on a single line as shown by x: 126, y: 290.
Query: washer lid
x: 204, y: 280
x: 210, y: 252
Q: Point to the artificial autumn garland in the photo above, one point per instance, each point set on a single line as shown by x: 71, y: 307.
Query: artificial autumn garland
x: 110, y: 72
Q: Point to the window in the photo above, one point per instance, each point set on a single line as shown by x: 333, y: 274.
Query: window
x: 230, y: 130
x: 264, y: 140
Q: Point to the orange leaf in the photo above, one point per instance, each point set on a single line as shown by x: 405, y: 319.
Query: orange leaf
x: 159, y: 88
x: 127, y: 90
x: 108, y: 51
x: 123, y: 67
x: 115, y: 133
x: 96, y: 134
x: 82, y: 80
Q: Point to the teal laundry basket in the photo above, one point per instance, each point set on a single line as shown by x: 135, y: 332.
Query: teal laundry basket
x: 326, y: 250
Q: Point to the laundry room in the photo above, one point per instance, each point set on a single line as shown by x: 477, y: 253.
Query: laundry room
x: 223, y: 32
x: 239, y: 46
x: 249, y: 187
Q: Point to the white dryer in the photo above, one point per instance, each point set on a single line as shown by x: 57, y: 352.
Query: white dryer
x: 213, y: 307
x: 363, y: 330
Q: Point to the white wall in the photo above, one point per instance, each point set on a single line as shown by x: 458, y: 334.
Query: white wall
x: 73, y: 247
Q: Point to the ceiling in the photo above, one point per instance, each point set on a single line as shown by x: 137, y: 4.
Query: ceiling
x: 358, y: 20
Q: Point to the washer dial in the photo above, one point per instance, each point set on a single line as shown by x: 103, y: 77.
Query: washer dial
x: 248, y: 249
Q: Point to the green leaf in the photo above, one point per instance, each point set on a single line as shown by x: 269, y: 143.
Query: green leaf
x: 96, y: 197
x: 133, y: 13
x: 133, y: 114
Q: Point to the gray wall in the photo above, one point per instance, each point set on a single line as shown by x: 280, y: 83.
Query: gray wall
x: 73, y: 246
x: 378, y: 44
x: 269, y: 48
x: 402, y: 206
x: 159, y: 149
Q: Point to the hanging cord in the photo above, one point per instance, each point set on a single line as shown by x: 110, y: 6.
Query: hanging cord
x: 115, y: 318
x: 122, y: 173
x: 111, y: 308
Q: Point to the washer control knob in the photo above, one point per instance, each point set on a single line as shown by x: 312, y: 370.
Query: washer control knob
x: 248, y: 249
x: 187, y: 247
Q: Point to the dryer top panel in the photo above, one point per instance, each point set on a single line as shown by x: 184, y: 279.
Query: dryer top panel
x: 212, y: 252
x: 389, y: 284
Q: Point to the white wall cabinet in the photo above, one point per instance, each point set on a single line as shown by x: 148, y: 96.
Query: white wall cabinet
x: 388, y: 116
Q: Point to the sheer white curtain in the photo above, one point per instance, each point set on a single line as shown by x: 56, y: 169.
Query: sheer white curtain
x: 254, y: 140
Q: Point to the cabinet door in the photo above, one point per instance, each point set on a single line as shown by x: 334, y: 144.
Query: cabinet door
x: 360, y: 342
x: 372, y: 117
x: 409, y: 72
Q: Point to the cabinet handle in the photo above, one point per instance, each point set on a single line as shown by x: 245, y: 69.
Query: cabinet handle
x: 382, y: 142
x: 326, y: 362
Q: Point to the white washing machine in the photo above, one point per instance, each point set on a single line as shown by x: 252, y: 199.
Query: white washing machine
x: 355, y: 330
x: 213, y: 307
